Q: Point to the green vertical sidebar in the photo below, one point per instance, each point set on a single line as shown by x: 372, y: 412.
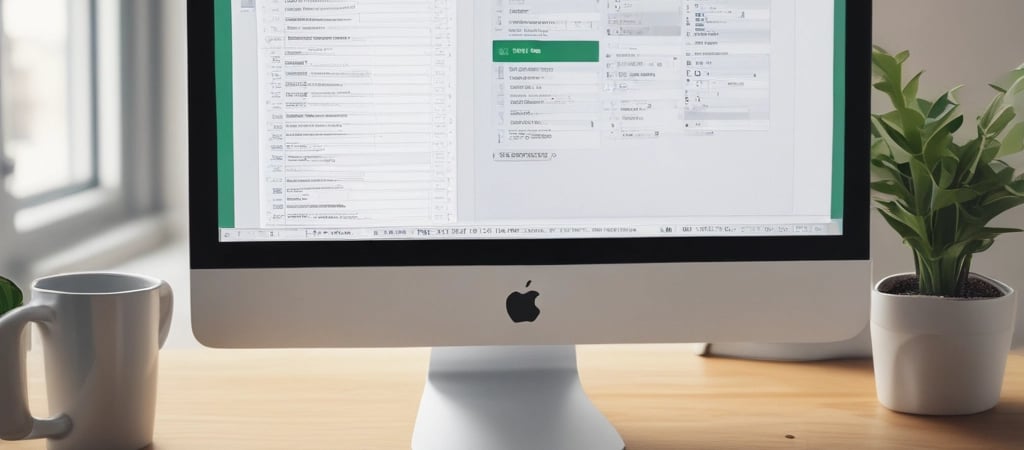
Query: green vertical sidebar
x: 839, y: 127
x: 225, y: 114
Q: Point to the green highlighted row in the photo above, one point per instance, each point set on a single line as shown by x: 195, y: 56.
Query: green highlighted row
x: 546, y: 51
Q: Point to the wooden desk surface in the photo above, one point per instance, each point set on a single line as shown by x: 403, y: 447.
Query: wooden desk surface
x: 659, y: 397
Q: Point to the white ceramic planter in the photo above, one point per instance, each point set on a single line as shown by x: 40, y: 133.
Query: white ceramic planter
x: 940, y: 356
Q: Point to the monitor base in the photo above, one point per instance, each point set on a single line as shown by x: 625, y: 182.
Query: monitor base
x: 509, y: 398
x: 858, y: 346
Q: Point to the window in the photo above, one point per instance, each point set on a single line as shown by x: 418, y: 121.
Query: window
x: 48, y: 93
x: 79, y: 124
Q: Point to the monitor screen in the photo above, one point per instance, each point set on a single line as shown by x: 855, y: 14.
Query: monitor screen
x: 529, y: 120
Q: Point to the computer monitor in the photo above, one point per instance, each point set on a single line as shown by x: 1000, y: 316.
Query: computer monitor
x: 521, y: 176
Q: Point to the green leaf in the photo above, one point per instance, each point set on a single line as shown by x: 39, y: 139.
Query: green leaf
x: 10, y: 296
x: 944, y: 227
x: 1015, y: 81
x: 1002, y: 118
x: 886, y: 65
x: 925, y: 106
x: 991, y: 181
x: 989, y: 152
x: 890, y: 69
x: 895, y: 131
x: 1016, y: 187
x: 969, y: 154
x: 910, y: 91
x: 898, y: 152
x: 982, y: 245
x: 946, y: 102
x: 923, y: 183
x: 885, y: 168
x: 984, y: 234
x: 942, y: 198
x: 903, y: 56
x: 885, y: 86
x: 912, y: 123
x: 910, y: 237
x: 999, y: 231
x: 994, y: 208
x: 937, y: 145
x: 912, y: 226
x: 947, y: 171
x: 994, y: 108
x: 1013, y: 142
x: 1008, y: 81
x: 889, y: 187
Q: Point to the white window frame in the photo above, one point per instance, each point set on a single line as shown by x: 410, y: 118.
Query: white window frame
x: 119, y: 214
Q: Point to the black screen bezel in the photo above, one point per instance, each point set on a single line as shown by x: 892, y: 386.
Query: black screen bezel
x: 207, y: 252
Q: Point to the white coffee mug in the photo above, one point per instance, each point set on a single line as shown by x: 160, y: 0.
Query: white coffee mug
x: 101, y: 335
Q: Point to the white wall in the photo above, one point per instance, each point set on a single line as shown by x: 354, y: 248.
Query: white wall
x: 970, y: 42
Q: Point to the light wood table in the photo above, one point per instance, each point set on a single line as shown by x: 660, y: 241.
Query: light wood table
x: 659, y: 397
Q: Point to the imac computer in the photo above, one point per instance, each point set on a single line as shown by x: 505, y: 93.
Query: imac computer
x: 504, y: 179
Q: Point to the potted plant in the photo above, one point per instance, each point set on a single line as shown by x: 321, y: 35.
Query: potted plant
x: 941, y: 336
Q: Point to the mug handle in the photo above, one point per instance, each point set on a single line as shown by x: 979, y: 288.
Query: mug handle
x: 166, y: 311
x: 16, y: 421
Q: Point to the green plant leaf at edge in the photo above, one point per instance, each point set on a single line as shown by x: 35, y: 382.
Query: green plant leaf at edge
x: 10, y: 296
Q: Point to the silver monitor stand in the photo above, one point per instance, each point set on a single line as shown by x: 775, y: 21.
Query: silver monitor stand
x: 509, y: 398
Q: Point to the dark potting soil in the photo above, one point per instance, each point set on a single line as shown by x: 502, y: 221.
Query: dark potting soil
x: 975, y: 289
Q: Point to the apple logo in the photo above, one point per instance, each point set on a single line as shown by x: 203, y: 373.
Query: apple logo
x: 522, y: 306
